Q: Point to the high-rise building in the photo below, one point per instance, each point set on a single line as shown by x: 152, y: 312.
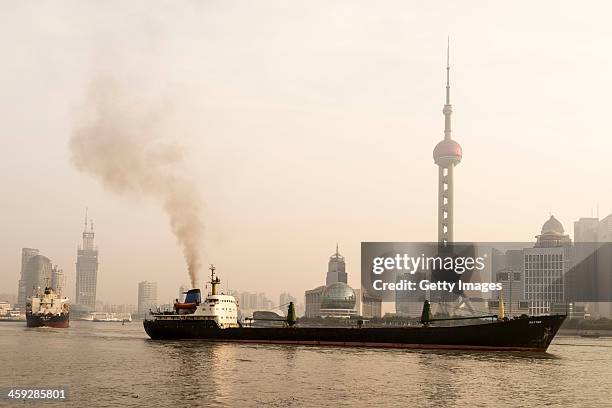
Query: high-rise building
x: 22, y: 291
x: 585, y: 229
x: 37, y: 274
x: 182, y: 293
x: 507, y: 269
x: 147, y: 297
x: 593, y: 229
x: 285, y: 298
x: 447, y: 154
x: 57, y: 279
x: 590, y: 280
x: 545, y: 266
x: 9, y: 297
x: 312, y: 299
x: 87, y: 270
x: 336, y: 269
x: 604, y: 230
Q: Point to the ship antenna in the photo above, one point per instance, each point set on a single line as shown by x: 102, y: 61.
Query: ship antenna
x: 213, y: 281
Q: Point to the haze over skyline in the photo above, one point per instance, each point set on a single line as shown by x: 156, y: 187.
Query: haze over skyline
x: 302, y: 125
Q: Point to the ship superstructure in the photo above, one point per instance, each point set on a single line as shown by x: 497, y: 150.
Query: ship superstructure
x: 217, y: 308
x: 48, y: 309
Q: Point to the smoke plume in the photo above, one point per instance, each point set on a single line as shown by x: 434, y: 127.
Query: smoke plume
x: 120, y: 142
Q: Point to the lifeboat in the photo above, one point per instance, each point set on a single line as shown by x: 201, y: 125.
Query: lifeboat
x: 184, y: 306
x: 192, y: 300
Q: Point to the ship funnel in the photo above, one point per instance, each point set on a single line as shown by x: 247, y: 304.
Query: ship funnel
x: 193, y: 296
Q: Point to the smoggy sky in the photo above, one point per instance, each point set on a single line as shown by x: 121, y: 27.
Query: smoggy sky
x: 301, y: 124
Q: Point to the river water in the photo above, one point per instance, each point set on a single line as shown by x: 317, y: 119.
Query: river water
x: 110, y: 365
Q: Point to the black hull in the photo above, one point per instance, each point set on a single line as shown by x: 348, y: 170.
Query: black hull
x: 61, y: 321
x: 524, y: 334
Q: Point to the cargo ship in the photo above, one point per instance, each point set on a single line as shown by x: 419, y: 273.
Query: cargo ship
x: 215, y: 319
x: 48, y: 309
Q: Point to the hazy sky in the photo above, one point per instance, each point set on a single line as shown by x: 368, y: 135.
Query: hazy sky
x: 303, y: 124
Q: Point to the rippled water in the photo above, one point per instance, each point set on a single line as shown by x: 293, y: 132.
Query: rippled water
x: 110, y: 365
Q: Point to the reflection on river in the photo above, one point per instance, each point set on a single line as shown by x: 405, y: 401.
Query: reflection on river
x: 107, y: 365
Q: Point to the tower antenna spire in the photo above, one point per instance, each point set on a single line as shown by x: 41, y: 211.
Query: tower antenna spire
x: 448, y: 108
x: 85, y: 229
x: 448, y: 70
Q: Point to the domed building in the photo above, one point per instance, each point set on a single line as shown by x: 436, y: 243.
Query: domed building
x: 552, y: 234
x: 338, y: 296
x: 337, y: 299
x: 545, y: 266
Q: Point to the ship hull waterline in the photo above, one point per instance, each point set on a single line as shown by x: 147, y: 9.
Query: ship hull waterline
x: 56, y: 321
x: 524, y: 334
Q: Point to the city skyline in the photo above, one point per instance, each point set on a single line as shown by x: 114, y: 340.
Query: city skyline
x: 343, y: 148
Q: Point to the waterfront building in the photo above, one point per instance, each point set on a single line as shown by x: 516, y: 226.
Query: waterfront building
x: 507, y: 268
x: 371, y: 306
x: 116, y: 308
x: 147, y: 297
x: 250, y: 302
x: 182, y: 293
x: 23, y: 292
x: 37, y: 274
x: 57, y: 279
x: 9, y: 297
x: 312, y: 300
x: 337, y: 298
x: 87, y: 270
x: 589, y: 282
x: 586, y: 229
x: 5, y: 307
x: 336, y: 269
x: 409, y: 303
x: 545, y: 266
x: 285, y: 298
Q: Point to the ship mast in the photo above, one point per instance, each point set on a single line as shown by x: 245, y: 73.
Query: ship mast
x: 214, y: 281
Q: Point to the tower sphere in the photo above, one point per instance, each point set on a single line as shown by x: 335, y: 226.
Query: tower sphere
x: 338, y: 295
x: 447, y: 151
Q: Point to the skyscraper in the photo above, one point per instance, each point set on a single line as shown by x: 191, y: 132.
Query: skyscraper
x: 336, y: 269
x: 22, y: 290
x: 285, y: 298
x: 593, y: 229
x: 36, y: 274
x: 545, y: 266
x: 447, y: 154
x: 147, y: 297
x: 182, y: 293
x: 87, y: 269
x: 591, y: 279
x: 57, y: 279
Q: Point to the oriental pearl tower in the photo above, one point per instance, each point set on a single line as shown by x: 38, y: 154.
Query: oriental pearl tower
x: 447, y: 154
